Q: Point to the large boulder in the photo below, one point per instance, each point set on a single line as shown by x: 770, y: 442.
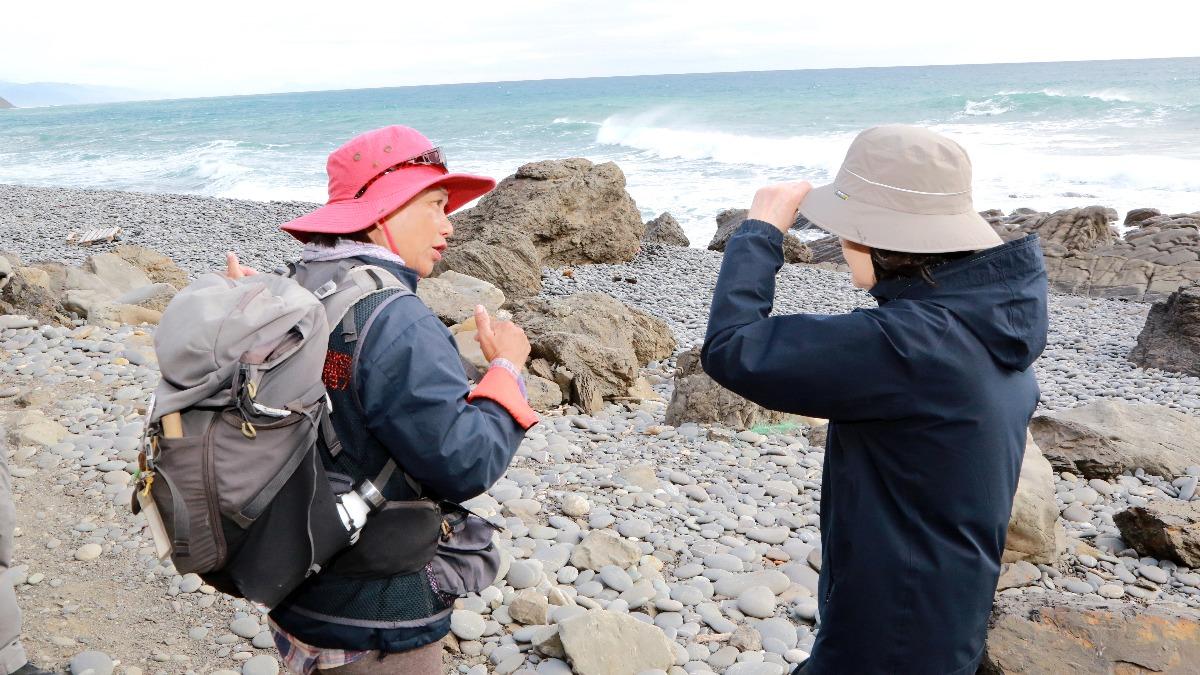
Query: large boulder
x: 1170, y: 340
x: 507, y: 259
x: 1136, y: 216
x: 1165, y: 530
x: 698, y: 398
x: 665, y: 230
x: 25, y: 291
x: 1105, y: 438
x: 1065, y: 633
x: 115, y: 272
x: 453, y: 296
x: 1077, y: 229
x: 730, y: 220
x: 601, y: 642
x: 573, y: 211
x: 157, y: 267
x: 1034, y: 534
x: 595, y: 343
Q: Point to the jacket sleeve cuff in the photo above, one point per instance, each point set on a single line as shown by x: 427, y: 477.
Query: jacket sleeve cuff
x: 762, y: 227
x: 500, y: 386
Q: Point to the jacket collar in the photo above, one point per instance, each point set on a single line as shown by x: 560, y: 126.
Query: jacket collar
x: 407, y: 275
x: 948, y: 274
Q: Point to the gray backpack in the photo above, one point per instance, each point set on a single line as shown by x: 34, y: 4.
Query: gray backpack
x: 237, y: 477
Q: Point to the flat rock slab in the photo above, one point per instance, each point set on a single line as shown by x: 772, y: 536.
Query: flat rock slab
x: 1059, y: 633
x: 1105, y: 438
x: 607, y: 643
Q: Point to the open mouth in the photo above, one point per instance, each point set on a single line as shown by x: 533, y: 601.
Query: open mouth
x: 438, y: 251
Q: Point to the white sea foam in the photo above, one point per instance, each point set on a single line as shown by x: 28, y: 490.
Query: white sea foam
x: 650, y: 132
x: 985, y: 108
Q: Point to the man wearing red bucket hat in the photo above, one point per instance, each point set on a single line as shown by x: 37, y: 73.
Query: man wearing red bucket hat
x: 399, y: 392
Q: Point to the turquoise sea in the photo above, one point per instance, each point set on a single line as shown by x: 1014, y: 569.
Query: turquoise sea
x: 1047, y: 135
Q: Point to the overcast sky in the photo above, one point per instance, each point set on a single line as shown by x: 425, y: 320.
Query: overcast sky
x: 252, y: 46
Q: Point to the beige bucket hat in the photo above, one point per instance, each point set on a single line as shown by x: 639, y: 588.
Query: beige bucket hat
x: 902, y: 188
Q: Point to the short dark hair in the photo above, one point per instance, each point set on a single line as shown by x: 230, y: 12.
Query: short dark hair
x: 894, y: 264
x: 331, y: 240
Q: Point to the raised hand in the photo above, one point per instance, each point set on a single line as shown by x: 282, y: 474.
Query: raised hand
x: 501, y: 339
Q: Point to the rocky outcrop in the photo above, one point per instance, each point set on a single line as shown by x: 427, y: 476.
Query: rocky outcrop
x: 698, y: 398
x: 1163, y: 530
x: 573, y: 211
x: 1084, y: 255
x: 1137, y: 216
x: 1062, y: 633
x: 1170, y: 339
x: 1105, y: 438
x: 1075, y: 230
x: 593, y: 344
x: 5, y: 105
x: 550, y: 213
x: 665, y: 230
x: 504, y: 258
x: 728, y: 222
x: 1034, y: 534
x: 827, y: 250
x: 452, y: 296
x: 107, y: 288
x: 26, y: 291
x: 157, y: 267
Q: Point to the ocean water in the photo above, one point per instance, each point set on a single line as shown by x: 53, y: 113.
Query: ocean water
x: 1124, y: 134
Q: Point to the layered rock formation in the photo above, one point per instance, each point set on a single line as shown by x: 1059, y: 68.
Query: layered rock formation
x: 1063, y: 633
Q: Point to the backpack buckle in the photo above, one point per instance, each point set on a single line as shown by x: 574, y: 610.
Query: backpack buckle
x: 325, y: 290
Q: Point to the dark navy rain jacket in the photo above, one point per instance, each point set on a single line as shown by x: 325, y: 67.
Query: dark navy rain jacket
x: 929, y: 396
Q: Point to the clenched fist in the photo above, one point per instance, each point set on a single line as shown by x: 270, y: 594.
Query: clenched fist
x: 777, y: 204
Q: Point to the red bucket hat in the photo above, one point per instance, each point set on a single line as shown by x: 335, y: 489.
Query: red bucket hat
x: 376, y: 173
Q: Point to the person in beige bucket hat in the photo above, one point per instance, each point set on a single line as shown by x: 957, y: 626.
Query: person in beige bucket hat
x: 928, y: 396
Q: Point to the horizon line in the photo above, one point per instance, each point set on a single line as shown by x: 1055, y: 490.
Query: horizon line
x: 566, y: 79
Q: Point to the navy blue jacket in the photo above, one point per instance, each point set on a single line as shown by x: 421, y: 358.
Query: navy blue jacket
x: 410, y: 382
x: 929, y: 396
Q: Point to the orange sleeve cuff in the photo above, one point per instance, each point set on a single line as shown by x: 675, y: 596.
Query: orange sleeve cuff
x: 500, y: 386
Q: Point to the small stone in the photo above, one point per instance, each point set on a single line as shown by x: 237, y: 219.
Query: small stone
x: 91, y: 662
x: 467, y: 625
x: 616, y: 578
x: 245, y: 627
x: 1077, y: 513
x: 1112, y: 591
x: 1156, y: 574
x: 757, y: 601
x: 191, y: 583
x: 529, y: 607
x: 1077, y: 585
x: 88, y: 552
x: 575, y: 505
x: 263, y: 664
x: 523, y: 574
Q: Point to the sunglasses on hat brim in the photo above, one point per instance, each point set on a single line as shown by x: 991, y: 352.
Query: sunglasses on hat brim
x: 432, y: 157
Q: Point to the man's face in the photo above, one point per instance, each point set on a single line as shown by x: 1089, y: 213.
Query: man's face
x: 418, y: 230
